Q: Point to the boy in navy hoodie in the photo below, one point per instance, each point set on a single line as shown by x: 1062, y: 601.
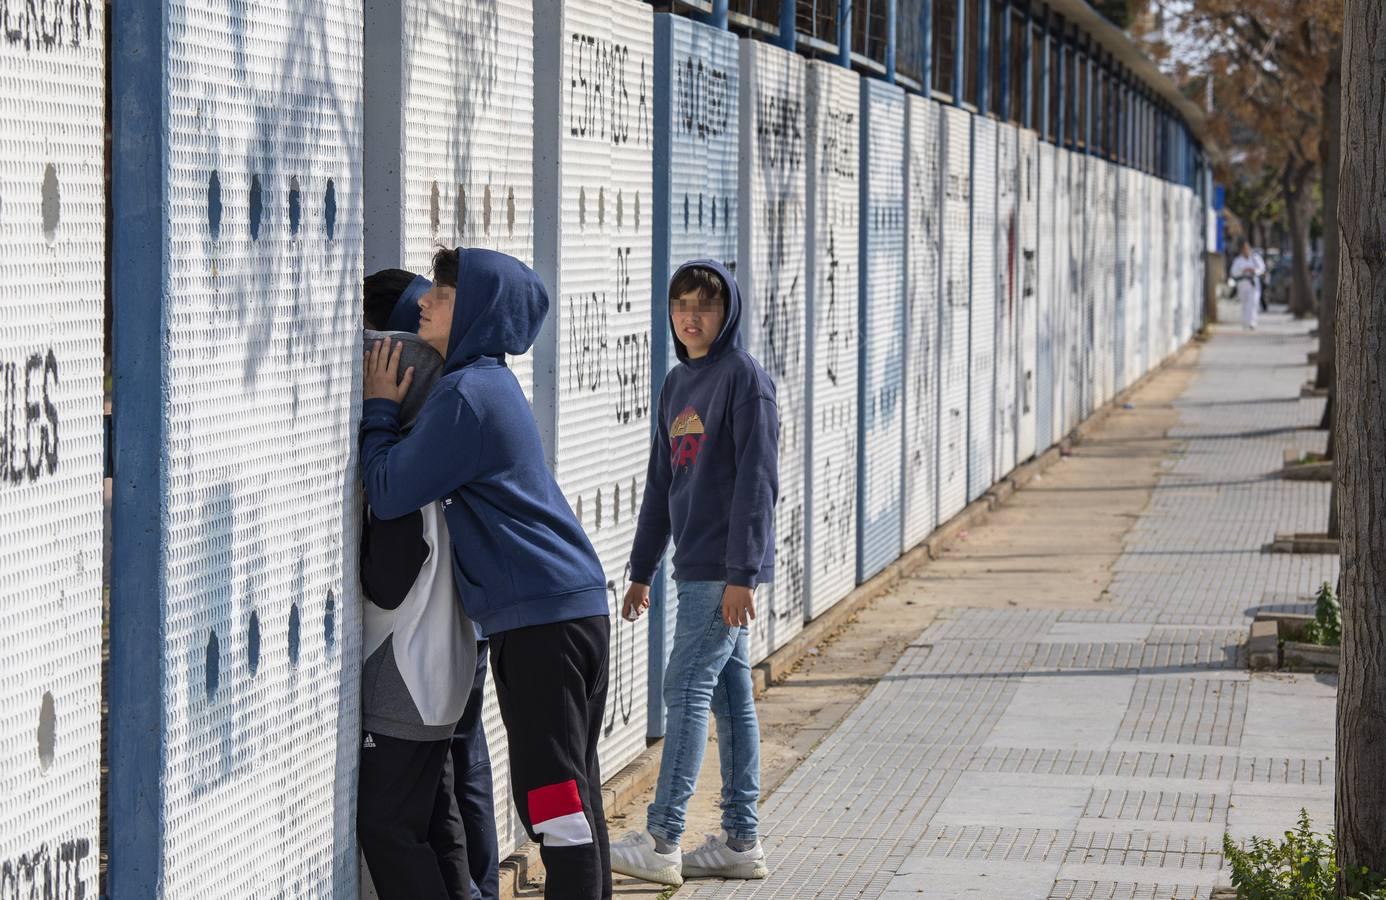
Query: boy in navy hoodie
x: 525, y: 570
x: 712, y: 484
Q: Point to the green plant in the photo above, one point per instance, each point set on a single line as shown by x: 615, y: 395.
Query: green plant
x: 1301, y: 867
x: 1327, y: 627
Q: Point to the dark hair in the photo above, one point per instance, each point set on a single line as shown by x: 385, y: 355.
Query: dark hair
x: 705, y: 281
x: 445, y: 267
x: 383, y: 290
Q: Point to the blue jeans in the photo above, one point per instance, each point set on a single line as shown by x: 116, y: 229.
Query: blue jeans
x: 709, y: 667
x: 472, y: 785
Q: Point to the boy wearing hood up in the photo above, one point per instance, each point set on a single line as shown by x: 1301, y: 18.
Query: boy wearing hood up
x: 712, y: 484
x: 416, y: 638
x: 525, y: 570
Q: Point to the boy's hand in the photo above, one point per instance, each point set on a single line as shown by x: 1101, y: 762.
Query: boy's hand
x: 382, y: 373
x: 636, y: 602
x: 738, y: 605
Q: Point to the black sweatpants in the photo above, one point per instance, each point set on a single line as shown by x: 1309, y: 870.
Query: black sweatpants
x: 407, y: 820
x: 551, y: 684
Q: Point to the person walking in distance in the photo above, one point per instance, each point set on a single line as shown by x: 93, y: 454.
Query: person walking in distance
x: 1248, y: 270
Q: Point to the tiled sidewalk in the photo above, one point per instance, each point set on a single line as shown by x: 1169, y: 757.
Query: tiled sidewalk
x: 1102, y: 753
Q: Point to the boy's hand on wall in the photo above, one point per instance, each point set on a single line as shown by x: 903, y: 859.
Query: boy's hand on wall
x: 738, y: 605
x: 382, y: 380
x: 636, y: 602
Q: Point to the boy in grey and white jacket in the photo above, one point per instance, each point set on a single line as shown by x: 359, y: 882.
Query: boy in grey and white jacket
x: 420, y: 654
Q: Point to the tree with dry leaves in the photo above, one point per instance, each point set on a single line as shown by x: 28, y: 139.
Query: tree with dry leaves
x: 1268, y: 62
x: 1361, y: 433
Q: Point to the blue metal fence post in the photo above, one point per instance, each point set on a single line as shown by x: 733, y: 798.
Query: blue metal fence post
x: 1005, y: 49
x: 139, y: 273
x: 926, y: 31
x: 1061, y: 136
x: 716, y: 16
x: 1046, y: 78
x: 959, y: 43
x: 844, y: 33
x: 1027, y: 87
x: 1088, y: 97
x: 983, y: 56
x: 787, y: 27
x: 890, y: 41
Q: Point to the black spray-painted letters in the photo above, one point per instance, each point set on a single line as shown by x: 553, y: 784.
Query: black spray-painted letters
x: 28, y: 418
x: 702, y: 95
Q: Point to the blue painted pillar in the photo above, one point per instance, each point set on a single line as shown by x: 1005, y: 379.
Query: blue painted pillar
x: 718, y: 18
x: 1005, y: 49
x: 1061, y: 138
x: 788, y: 37
x: 983, y: 57
x: 1100, y: 109
x: 1089, y: 95
x: 1046, y: 77
x: 1123, y: 120
x: 890, y: 41
x: 959, y: 43
x: 926, y: 31
x: 844, y: 33
x: 1027, y: 88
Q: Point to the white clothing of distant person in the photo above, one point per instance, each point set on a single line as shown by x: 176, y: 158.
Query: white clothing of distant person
x: 1248, y: 268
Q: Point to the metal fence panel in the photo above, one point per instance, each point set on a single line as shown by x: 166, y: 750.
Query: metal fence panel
x: 834, y: 161
x: 594, y: 123
x: 1105, y: 251
x: 1160, y: 276
x: 1007, y: 410
x: 1123, y: 364
x: 450, y: 109
x: 1066, y: 276
x: 774, y: 285
x: 981, y: 388
x: 1090, y: 185
x: 882, y: 260
x: 52, y: 230
x: 923, y: 242
x: 956, y: 142
x: 235, y: 649
x: 1047, y: 340
x: 1080, y: 289
x: 1027, y: 292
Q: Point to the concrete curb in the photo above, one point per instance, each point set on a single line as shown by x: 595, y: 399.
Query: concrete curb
x: 522, y: 866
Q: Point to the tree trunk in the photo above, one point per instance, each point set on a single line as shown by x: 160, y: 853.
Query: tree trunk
x: 1330, y: 154
x: 1361, y: 433
x: 1295, y: 183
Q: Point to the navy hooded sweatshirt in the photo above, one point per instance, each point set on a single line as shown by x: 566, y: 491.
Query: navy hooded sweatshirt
x: 714, y: 463
x: 519, y: 554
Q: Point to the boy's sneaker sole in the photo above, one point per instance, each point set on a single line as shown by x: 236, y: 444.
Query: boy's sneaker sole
x: 746, y: 870
x: 669, y: 875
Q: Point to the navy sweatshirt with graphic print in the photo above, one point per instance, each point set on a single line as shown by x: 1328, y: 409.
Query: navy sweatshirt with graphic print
x: 714, y: 463
x: 518, y: 552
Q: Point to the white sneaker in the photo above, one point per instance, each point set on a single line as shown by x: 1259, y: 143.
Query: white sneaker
x: 635, y: 855
x: 714, y: 859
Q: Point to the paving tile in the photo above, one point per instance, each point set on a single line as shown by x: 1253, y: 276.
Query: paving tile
x: 1094, y: 754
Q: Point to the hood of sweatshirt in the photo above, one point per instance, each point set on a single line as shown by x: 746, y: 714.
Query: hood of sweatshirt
x: 730, y: 336
x: 405, y: 315
x: 500, y: 307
